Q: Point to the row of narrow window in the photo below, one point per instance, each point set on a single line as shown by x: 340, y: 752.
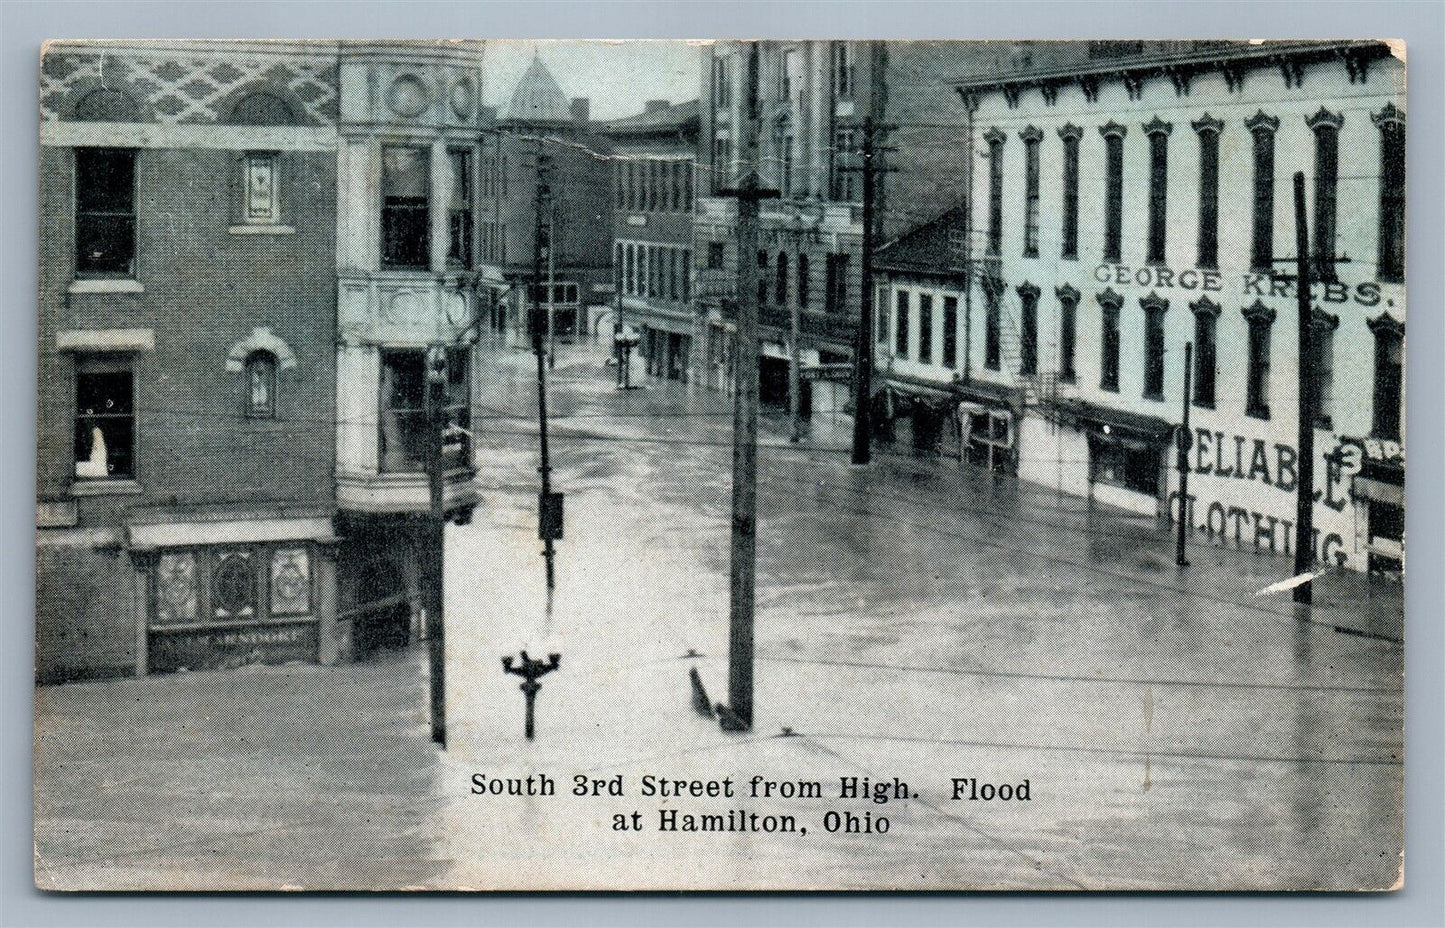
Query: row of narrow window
x: 105, y: 410
x: 105, y: 207
x: 1262, y: 128
x: 653, y: 185
x: 653, y: 271
x: 1389, y: 344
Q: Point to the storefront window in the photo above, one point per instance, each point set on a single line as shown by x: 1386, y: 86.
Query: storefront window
x: 1125, y: 463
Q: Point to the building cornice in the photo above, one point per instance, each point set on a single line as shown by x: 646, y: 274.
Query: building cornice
x: 1233, y: 60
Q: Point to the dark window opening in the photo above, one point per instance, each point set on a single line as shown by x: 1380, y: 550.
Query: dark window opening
x: 105, y: 212
x: 1070, y: 247
x: 1204, y: 358
x: 1031, y: 198
x: 1028, y: 333
x: 1068, y: 329
x: 261, y: 385
x: 1389, y: 374
x: 1208, y: 199
x: 1262, y: 246
x: 405, y: 211
x: 900, y: 326
x: 1128, y: 464
x: 459, y: 212
x: 104, y: 418
x: 1113, y: 196
x: 1327, y: 169
x: 995, y: 197
x: 1158, y: 195
x: 1154, y: 353
x: 1257, y: 384
x: 403, y: 427
x: 925, y: 328
x: 780, y: 279
x: 716, y: 254
x: 803, y: 280
x: 991, y: 350
x: 1109, y: 349
x: 1392, y: 201
x: 950, y: 331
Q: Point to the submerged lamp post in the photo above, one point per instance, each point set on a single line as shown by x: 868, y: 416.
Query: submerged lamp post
x: 529, y: 671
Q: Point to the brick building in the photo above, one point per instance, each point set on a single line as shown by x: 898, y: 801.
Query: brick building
x: 815, y: 96
x: 540, y: 126
x: 654, y: 165
x: 1134, y: 196
x: 192, y: 453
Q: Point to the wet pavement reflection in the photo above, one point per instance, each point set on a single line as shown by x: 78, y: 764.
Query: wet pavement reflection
x: 919, y: 619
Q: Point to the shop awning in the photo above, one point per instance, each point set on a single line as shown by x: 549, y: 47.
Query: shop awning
x: 1091, y: 416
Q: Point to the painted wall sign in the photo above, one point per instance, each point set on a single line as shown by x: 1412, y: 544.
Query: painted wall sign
x: 1207, y: 280
x: 218, y: 648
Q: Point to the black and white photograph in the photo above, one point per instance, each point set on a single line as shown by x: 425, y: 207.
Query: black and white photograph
x: 717, y: 465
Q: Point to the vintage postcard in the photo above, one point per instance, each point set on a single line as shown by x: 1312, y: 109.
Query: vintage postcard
x: 780, y: 465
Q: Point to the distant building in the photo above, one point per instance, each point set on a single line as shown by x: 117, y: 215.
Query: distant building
x: 540, y: 126
x: 1130, y: 197
x: 226, y: 474
x: 654, y: 166
x: 815, y: 96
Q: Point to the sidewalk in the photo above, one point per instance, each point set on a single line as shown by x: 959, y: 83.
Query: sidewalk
x: 259, y: 778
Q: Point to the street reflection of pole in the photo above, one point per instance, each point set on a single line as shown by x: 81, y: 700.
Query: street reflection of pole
x: 1305, y: 501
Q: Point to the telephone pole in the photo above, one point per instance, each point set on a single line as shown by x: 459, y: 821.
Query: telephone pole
x: 435, y: 402
x: 551, y: 283
x: 743, y: 554
x: 1305, y: 502
x: 863, y: 369
x: 1182, y: 445
x: 863, y: 350
x: 549, y: 505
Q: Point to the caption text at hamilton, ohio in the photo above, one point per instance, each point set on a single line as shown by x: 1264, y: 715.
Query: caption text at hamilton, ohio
x: 846, y: 804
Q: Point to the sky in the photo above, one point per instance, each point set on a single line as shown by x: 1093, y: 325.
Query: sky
x: 618, y: 77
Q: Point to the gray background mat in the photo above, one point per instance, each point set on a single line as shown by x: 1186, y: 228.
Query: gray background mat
x: 24, y: 25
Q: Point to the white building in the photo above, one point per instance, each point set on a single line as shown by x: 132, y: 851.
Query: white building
x: 1129, y: 198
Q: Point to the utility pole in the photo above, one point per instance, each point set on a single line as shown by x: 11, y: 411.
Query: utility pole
x: 1305, y: 502
x: 863, y: 352
x: 863, y: 368
x: 795, y: 336
x: 435, y: 403
x: 1186, y: 439
x: 743, y: 554
x: 551, y: 284
x: 549, y: 505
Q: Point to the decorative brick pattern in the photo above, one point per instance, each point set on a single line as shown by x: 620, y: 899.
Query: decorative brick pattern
x: 177, y: 88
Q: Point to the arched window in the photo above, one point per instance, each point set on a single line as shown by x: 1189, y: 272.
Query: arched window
x: 262, y: 109
x: 107, y: 105
x: 261, y: 385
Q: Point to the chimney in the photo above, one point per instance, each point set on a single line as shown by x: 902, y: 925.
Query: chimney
x: 652, y: 106
x: 581, y: 110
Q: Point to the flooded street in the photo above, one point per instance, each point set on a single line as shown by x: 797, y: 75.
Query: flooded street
x: 918, y: 620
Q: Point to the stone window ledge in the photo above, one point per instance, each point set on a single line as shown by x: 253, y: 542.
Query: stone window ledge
x: 262, y: 229
x: 105, y: 488
x: 104, y: 285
